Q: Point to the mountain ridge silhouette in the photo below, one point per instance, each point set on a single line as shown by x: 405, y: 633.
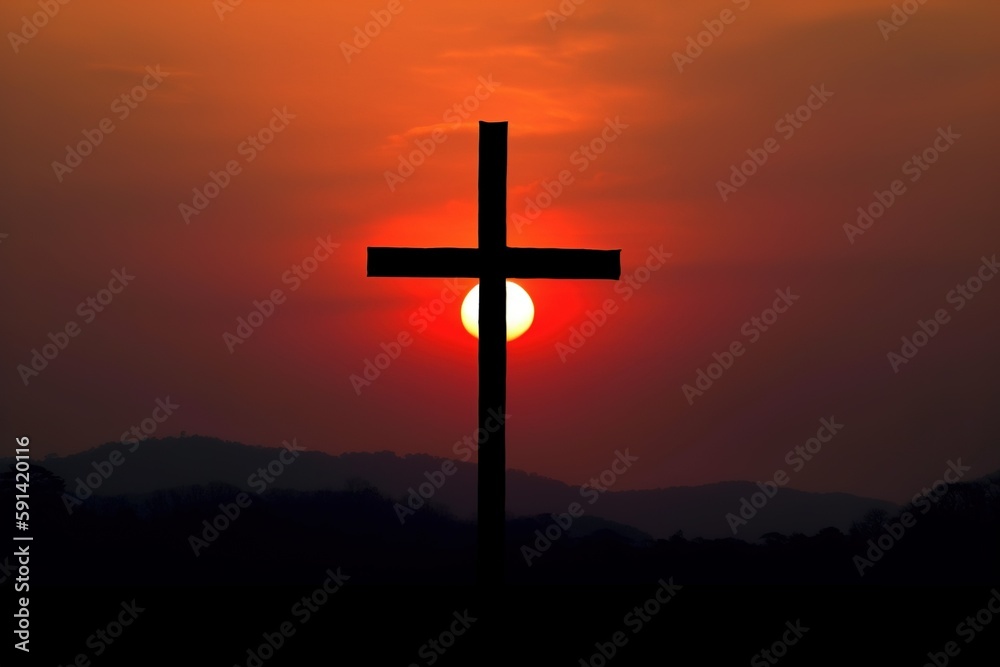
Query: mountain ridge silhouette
x: 698, y: 511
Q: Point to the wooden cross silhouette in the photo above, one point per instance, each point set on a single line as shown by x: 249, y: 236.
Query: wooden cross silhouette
x: 492, y: 263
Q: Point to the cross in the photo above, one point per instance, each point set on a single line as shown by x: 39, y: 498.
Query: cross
x: 492, y: 263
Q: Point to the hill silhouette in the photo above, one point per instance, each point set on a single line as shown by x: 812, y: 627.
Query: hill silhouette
x: 221, y: 533
x: 698, y: 511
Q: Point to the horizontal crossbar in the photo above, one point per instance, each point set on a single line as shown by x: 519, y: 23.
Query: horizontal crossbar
x: 565, y: 263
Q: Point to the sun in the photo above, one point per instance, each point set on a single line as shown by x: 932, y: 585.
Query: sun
x: 520, y: 311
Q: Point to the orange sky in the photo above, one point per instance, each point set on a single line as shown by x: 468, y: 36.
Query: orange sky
x: 656, y: 184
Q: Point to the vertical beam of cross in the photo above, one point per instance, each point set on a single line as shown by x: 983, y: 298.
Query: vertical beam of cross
x: 492, y: 349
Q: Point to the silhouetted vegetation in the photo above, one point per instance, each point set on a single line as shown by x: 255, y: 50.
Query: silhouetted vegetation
x: 285, y: 537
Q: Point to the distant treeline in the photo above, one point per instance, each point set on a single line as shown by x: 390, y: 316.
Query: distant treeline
x: 208, y: 535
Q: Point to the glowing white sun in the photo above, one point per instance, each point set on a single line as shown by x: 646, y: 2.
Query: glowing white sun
x: 520, y: 311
